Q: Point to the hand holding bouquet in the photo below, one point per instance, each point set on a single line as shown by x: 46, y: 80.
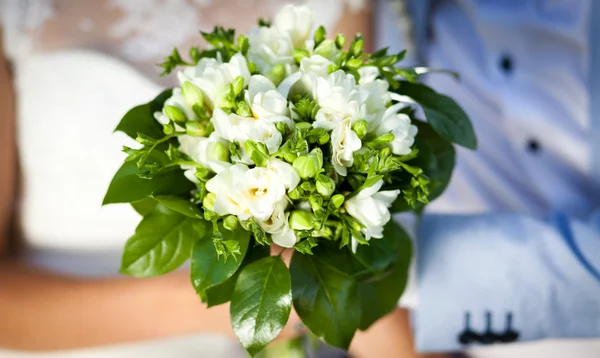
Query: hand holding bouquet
x: 286, y: 137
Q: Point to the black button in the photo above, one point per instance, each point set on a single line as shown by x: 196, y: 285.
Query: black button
x: 506, y: 64
x: 533, y: 146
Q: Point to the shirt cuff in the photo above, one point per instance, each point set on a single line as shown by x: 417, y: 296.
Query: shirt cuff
x: 500, y: 278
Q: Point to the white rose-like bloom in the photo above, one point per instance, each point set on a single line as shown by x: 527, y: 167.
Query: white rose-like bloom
x: 315, y: 64
x: 266, y: 101
x: 269, y: 47
x: 399, y: 125
x: 340, y: 99
x: 261, y: 191
x: 235, y: 128
x: 296, y: 22
x: 284, y: 173
x: 202, y: 151
x: 379, y: 96
x: 371, y: 208
x: 228, y: 199
x: 214, y: 77
x: 278, y: 226
x: 344, y: 142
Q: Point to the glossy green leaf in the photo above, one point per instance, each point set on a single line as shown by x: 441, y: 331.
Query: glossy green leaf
x: 379, y: 294
x: 261, y: 303
x: 325, y: 295
x: 145, y: 206
x: 180, y: 205
x: 222, y: 293
x: 446, y: 117
x: 161, y: 243
x: 141, y: 119
x: 126, y: 186
x: 207, y: 270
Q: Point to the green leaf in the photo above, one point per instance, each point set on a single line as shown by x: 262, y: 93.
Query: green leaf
x: 206, y: 268
x: 145, y: 206
x: 445, y: 116
x: 126, y: 186
x: 261, y: 303
x: 436, y: 157
x: 222, y: 292
x: 390, y: 256
x: 325, y: 294
x: 161, y: 243
x: 180, y: 205
x: 141, y: 119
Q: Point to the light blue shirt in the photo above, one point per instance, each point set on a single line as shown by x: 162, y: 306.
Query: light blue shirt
x: 514, y: 235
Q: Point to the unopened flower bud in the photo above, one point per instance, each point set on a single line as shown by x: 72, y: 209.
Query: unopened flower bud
x: 277, y: 74
x: 296, y: 194
x: 316, y: 202
x: 337, y: 200
x: 329, y: 50
x: 195, y: 128
x: 301, y: 220
x: 217, y: 151
x: 192, y: 95
x: 320, y: 35
x: 209, y: 201
x: 175, y: 114
x: 300, y: 53
x: 361, y: 128
x: 281, y: 127
x: 258, y: 152
x: 340, y: 41
x: 230, y: 223
x: 244, y: 109
x: 325, y: 185
x: 309, y: 165
x: 238, y: 85
x: 385, y: 152
x: 382, y: 140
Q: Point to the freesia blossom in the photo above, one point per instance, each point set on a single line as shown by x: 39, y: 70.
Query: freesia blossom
x: 266, y: 102
x: 344, y: 143
x: 296, y: 22
x: 371, y: 208
x: 277, y: 225
x: 399, y: 125
x: 270, y: 47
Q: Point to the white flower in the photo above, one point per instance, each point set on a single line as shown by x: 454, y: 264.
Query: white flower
x: 399, y: 125
x: 344, y: 143
x: 296, y: 22
x: 340, y: 99
x: 214, y: 77
x: 284, y: 173
x: 235, y: 128
x: 315, y: 64
x: 371, y: 208
x: 379, y: 96
x: 229, y: 200
x: 269, y: 47
x: 278, y: 226
x: 266, y: 101
x: 210, y: 152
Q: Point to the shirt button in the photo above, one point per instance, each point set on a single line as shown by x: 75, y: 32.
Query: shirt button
x: 533, y: 146
x: 506, y: 64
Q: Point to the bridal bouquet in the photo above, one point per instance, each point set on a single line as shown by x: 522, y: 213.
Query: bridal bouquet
x: 286, y: 138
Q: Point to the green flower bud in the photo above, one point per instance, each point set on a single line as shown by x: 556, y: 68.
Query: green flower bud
x: 320, y: 35
x: 356, y: 48
x: 243, y: 44
x: 296, y: 194
x: 325, y: 231
x: 175, y: 114
x: 325, y: 185
x: 277, y: 74
x: 230, y: 223
x: 340, y: 41
x: 307, y: 186
x: 281, y: 127
x: 337, y: 200
x: 192, y: 95
x: 252, y: 68
x: 217, y: 151
x: 195, y: 54
x: 324, y: 138
x: 316, y: 202
x: 309, y: 165
x: 195, y: 128
x: 354, y: 64
x: 329, y: 50
x: 202, y: 173
x: 238, y: 85
x: 385, y: 152
x: 289, y: 157
x: 209, y: 201
x: 301, y: 220
x: 244, y: 109
x: 382, y: 140
x: 361, y: 128
x: 144, y: 139
x: 168, y: 129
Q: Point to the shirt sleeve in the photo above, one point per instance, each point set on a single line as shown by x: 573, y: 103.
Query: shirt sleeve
x: 500, y: 278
